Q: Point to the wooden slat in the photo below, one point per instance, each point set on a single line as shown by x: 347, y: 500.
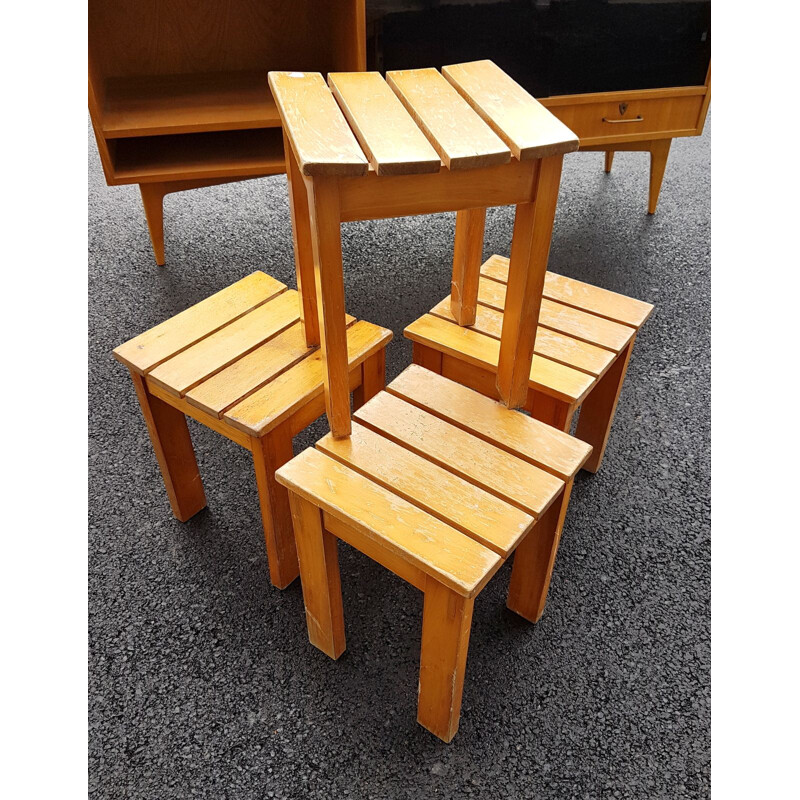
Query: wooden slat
x: 517, y: 433
x: 549, y: 343
x: 556, y: 380
x: 455, y: 560
x: 611, y: 305
x: 468, y: 508
x: 457, y: 133
x: 150, y: 348
x: 321, y: 139
x: 388, y: 136
x: 295, y: 388
x: 517, y: 482
x: 243, y: 377
x: 524, y: 124
x: 200, y: 361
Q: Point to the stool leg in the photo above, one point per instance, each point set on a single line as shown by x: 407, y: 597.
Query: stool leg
x: 326, y: 238
x: 172, y: 444
x: 659, y: 152
x: 427, y: 357
x: 549, y: 410
x: 153, y: 202
x: 319, y: 574
x: 534, y: 559
x: 598, y: 409
x: 446, y: 622
x: 373, y: 378
x: 530, y: 248
x: 303, y: 248
x: 467, y: 253
x: 269, y: 453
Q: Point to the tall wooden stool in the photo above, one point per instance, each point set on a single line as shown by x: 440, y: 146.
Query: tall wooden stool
x: 583, y: 345
x: 433, y: 480
x: 422, y: 142
x: 238, y: 362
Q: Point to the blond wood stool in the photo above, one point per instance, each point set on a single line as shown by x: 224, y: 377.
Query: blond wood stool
x: 439, y: 484
x: 421, y: 142
x: 583, y: 345
x: 238, y: 362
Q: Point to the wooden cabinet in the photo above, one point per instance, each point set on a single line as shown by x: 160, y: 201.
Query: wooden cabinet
x: 622, y: 74
x: 178, y: 91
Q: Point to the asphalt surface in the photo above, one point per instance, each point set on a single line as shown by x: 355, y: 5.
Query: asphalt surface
x: 202, y: 680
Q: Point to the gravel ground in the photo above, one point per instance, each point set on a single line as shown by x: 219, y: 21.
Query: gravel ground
x: 202, y: 680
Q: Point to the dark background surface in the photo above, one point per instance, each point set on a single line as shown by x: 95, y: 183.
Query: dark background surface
x: 202, y: 681
x: 562, y: 47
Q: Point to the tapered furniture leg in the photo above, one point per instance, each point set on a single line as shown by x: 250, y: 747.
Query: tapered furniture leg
x: 269, y: 453
x: 153, y: 202
x: 534, y: 559
x: 373, y: 379
x: 319, y: 574
x: 303, y: 248
x: 597, y: 411
x: 659, y: 152
x: 326, y: 237
x: 172, y: 444
x: 530, y: 248
x: 467, y: 257
x: 609, y: 160
x: 446, y: 623
x: 427, y: 357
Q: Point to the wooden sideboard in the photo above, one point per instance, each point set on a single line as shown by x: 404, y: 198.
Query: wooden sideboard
x: 623, y: 74
x: 178, y: 93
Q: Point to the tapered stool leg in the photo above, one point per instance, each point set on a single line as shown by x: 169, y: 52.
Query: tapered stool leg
x: 319, y: 573
x: 172, y: 444
x: 530, y: 248
x: 598, y: 409
x: 303, y: 247
x: 467, y: 256
x: 534, y: 559
x: 446, y: 623
x: 269, y: 453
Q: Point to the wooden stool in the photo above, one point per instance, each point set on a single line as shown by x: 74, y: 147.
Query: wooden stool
x: 423, y: 143
x: 583, y: 345
x: 439, y: 484
x: 238, y: 362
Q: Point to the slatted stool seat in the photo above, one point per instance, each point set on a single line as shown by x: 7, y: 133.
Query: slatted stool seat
x: 238, y: 362
x: 440, y: 485
x: 583, y: 345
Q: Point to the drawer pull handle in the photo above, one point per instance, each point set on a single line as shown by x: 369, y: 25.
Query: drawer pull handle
x: 638, y: 118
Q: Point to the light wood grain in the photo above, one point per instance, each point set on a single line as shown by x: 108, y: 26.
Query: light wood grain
x: 388, y: 136
x: 467, y: 254
x: 195, y: 364
x: 300, y: 384
x: 524, y: 124
x: 525, y: 486
x: 476, y: 513
x: 429, y: 544
x: 204, y: 318
x: 446, y: 623
x: 457, y: 133
x: 319, y: 574
x: 322, y: 142
x: 549, y: 376
x: 516, y: 433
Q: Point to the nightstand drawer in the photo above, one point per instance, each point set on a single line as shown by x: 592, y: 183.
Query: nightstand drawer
x: 620, y: 116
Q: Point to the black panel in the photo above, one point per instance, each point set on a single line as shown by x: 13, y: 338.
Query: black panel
x: 556, y: 47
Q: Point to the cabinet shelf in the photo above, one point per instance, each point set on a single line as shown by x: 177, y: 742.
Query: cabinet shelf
x: 196, y: 156
x: 156, y: 105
